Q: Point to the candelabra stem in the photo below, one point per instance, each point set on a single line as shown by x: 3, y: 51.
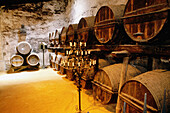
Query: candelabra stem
x: 79, y: 91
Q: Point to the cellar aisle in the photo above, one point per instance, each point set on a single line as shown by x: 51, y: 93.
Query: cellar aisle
x: 44, y: 91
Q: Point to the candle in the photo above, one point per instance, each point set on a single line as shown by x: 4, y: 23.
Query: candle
x: 69, y: 52
x: 79, y: 64
x: 80, y: 43
x: 73, y: 64
x: 81, y: 52
x: 85, y: 44
x: 75, y: 44
x: 88, y: 52
x: 77, y: 53
x: 68, y: 63
x: 85, y: 52
x: 90, y: 63
x: 66, y: 52
x: 93, y: 62
x: 71, y: 44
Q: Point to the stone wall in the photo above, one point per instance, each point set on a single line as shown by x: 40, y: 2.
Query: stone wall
x: 40, y: 19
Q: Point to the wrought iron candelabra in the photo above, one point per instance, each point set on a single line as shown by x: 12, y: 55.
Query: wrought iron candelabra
x: 78, y: 60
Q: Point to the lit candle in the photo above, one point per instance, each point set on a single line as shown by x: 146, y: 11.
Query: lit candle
x: 85, y: 52
x: 88, y: 52
x: 93, y: 62
x: 80, y: 43
x: 79, y: 64
x: 85, y: 44
x: 68, y: 63
x: 66, y: 52
x: 90, y: 63
x: 81, y: 52
x: 77, y: 53
x: 69, y: 52
x: 70, y: 44
x: 73, y: 64
x: 75, y: 44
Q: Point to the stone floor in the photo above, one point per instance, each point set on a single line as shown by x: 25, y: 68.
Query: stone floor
x: 44, y: 91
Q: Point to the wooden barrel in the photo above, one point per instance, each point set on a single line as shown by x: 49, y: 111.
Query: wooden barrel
x: 52, y: 60
x: 57, y: 62
x: 106, y: 81
x: 72, y: 33
x: 147, y: 20
x: 85, y: 30
x: 63, y: 36
x: 23, y: 48
x: 33, y: 59
x: 106, y: 24
x: 153, y: 83
x: 62, y: 67
x: 17, y: 60
x: 57, y: 37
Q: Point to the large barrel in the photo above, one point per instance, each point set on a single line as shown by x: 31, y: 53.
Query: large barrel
x: 106, y: 24
x: 63, y: 36
x: 57, y: 37
x: 72, y: 33
x: 57, y: 62
x: 89, y: 73
x: 33, y: 59
x: 23, y: 48
x: 17, y: 60
x: 147, y: 20
x: 106, y: 81
x: 153, y: 83
x: 85, y: 30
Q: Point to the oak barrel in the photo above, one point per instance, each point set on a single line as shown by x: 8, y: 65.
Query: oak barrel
x: 33, y: 59
x: 153, y: 83
x: 147, y: 20
x: 17, y: 60
x: 106, y: 81
x: 52, y: 60
x: 89, y: 73
x: 85, y: 30
x: 71, y: 33
x: 62, y: 66
x: 23, y: 48
x: 63, y: 36
x: 57, y: 62
x: 106, y: 24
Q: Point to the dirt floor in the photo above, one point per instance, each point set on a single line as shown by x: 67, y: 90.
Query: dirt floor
x: 44, y: 91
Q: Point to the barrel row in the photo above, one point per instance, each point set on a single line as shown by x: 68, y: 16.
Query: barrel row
x: 24, y: 56
x: 144, y: 22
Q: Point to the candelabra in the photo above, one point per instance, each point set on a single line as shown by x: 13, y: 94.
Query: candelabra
x: 79, y: 59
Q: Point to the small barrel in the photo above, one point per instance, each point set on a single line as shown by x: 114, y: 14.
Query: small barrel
x: 57, y: 62
x: 85, y: 30
x: 147, y: 20
x: 33, y: 59
x: 62, y: 67
x: 63, y: 36
x: 72, y: 33
x: 23, y: 48
x: 153, y: 83
x: 106, y: 24
x: 106, y: 81
x: 52, y: 60
x: 17, y: 60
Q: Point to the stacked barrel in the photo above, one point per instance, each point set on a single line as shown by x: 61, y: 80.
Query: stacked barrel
x: 24, y: 56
